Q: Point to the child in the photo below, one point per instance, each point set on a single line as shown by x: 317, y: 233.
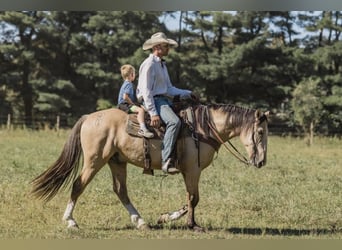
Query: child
x: 127, y: 99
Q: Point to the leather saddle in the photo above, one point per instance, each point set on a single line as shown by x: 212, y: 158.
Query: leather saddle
x: 193, y: 118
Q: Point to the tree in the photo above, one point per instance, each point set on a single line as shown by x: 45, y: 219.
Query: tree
x: 113, y: 38
x: 55, y: 80
x: 307, y: 105
x: 18, y: 55
x: 68, y: 62
x: 284, y: 22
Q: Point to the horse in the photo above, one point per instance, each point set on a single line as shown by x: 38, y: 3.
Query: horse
x: 101, y: 137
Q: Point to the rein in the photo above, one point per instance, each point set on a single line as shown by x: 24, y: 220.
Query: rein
x: 234, y: 152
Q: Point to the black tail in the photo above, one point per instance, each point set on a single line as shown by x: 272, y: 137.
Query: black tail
x: 64, y: 170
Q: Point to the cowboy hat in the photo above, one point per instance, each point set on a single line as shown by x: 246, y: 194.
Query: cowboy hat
x: 158, y: 38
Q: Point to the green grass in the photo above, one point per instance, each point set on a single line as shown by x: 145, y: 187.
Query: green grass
x: 296, y: 195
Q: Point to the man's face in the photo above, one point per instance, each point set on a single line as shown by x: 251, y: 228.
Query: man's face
x: 164, y: 49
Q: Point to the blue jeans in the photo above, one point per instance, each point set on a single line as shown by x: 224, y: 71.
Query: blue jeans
x: 173, y: 125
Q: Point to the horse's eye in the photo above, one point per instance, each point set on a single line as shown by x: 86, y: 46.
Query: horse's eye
x: 260, y: 131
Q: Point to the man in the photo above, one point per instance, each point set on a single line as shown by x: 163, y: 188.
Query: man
x: 156, y: 91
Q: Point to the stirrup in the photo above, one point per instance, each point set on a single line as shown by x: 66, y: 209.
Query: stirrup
x: 169, y: 168
x: 145, y: 133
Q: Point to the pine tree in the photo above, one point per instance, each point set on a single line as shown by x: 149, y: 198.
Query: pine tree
x: 18, y: 58
x: 115, y: 38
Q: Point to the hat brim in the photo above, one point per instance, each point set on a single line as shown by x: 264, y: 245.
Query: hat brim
x: 149, y: 44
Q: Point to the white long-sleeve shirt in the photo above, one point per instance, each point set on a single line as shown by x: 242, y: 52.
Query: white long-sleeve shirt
x: 154, y: 80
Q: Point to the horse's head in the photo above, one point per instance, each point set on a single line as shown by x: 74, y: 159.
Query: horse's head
x: 254, y: 137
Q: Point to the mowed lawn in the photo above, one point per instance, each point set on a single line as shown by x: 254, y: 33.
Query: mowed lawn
x: 296, y: 195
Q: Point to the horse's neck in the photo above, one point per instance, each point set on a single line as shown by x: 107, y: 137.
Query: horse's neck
x: 229, y: 123
x: 225, y: 126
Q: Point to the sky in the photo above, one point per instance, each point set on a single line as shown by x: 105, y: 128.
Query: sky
x: 172, y: 24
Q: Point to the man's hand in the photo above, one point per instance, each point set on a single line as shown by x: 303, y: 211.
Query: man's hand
x: 191, y: 96
x: 194, y: 97
x: 155, y: 121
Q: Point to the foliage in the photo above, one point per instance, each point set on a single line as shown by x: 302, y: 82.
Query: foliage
x: 103, y: 104
x: 307, y: 103
x: 254, y: 58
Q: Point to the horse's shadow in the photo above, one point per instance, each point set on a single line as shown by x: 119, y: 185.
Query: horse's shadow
x: 243, y: 231
x: 282, y: 232
x: 260, y: 231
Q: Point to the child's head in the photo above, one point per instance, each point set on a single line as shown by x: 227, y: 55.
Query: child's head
x: 127, y: 72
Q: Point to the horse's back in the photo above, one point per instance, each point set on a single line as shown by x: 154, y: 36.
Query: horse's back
x: 105, y: 119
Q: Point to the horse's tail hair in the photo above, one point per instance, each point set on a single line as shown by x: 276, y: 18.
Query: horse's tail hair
x: 64, y: 170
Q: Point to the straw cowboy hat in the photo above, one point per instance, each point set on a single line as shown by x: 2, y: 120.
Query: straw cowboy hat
x: 158, y: 38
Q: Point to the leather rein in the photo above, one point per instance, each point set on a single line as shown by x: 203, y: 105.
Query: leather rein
x: 233, y: 151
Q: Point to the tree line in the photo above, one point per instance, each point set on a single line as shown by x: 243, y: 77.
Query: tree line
x: 67, y: 62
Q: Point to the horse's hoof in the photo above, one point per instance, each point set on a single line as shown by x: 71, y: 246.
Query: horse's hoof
x: 144, y: 227
x: 72, y: 225
x: 197, y: 229
x: 163, y: 218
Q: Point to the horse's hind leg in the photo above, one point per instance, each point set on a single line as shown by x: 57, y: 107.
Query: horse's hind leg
x: 90, y: 168
x: 119, y: 174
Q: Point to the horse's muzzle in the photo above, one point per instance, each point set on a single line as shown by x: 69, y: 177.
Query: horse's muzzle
x: 260, y: 164
x: 257, y: 164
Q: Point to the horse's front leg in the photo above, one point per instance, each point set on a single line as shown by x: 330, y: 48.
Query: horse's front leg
x: 191, y: 182
x: 192, y: 202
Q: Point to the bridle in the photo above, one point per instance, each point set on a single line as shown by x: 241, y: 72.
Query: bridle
x: 234, y: 150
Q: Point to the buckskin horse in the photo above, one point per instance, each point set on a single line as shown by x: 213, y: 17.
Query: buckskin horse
x: 102, y: 138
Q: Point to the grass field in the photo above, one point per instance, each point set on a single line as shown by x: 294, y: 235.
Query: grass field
x: 296, y: 195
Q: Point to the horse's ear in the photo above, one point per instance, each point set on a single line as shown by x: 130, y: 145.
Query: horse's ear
x: 265, y: 116
x: 261, y: 116
x: 257, y: 114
